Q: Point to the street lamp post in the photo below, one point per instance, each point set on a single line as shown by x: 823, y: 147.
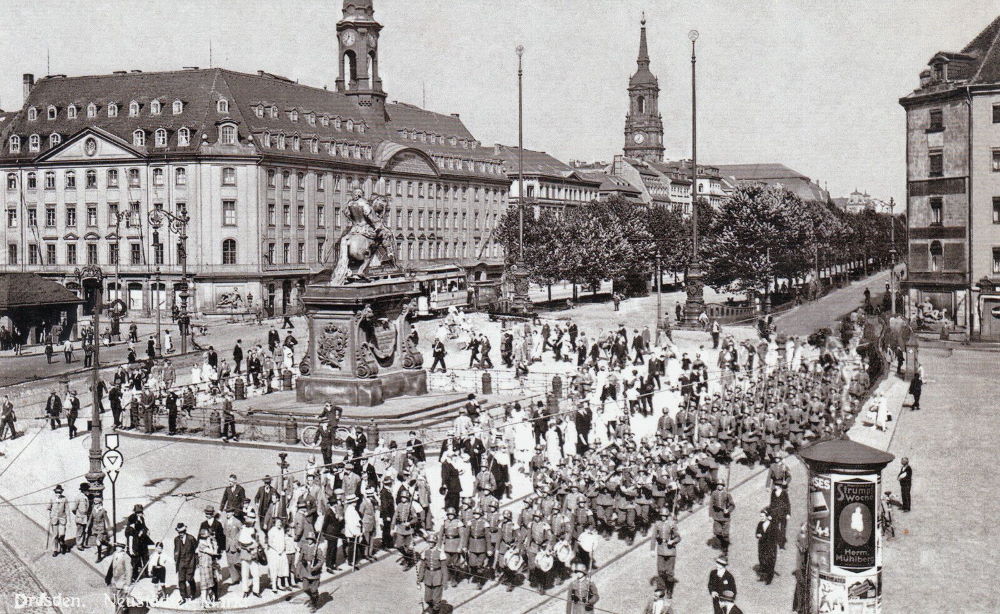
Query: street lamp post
x: 521, y: 299
x: 694, y: 286
x: 176, y: 223
x: 157, y: 300
x: 892, y: 256
x: 95, y: 477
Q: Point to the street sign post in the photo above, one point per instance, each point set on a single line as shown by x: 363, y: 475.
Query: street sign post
x: 112, y: 461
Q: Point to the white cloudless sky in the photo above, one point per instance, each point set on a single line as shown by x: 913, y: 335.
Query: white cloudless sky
x: 811, y: 84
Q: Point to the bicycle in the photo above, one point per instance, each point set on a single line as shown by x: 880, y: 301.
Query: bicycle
x: 309, y: 436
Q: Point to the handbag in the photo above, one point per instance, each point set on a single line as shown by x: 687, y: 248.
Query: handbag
x: 261, y: 555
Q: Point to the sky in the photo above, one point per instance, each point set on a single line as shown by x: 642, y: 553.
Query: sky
x: 813, y: 85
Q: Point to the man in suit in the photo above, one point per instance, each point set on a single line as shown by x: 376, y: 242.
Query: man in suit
x: 386, y: 510
x: 781, y: 511
x: 439, y: 352
x: 767, y: 547
x: 53, y: 408
x: 415, y: 448
x: 138, y: 540
x: 905, y: 478
x: 721, y: 585
x: 264, y: 502
x: 233, y: 497
x: 583, y: 419
x: 119, y: 576
x: 238, y: 356
x: 432, y: 572
x: 325, y: 435
x: 451, y: 487
x: 727, y: 603
x: 186, y: 561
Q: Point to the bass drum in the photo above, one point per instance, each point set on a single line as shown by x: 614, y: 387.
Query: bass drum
x: 587, y: 541
x: 544, y: 560
x: 564, y: 552
x: 513, y: 560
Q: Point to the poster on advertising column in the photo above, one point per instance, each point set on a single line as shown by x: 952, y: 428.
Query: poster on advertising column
x: 855, y: 505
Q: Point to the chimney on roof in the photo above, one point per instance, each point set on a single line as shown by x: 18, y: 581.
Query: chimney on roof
x: 29, y: 82
x: 135, y: 70
x: 120, y: 72
x: 455, y: 115
x: 190, y: 68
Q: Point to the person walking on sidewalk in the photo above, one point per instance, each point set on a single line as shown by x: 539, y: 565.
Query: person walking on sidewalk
x: 905, y: 482
x: 7, y: 418
x: 916, y: 388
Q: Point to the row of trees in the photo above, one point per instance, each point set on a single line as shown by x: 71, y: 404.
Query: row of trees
x: 761, y: 234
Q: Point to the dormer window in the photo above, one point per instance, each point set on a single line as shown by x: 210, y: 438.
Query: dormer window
x: 274, y: 112
x: 183, y: 137
x: 54, y: 139
x: 324, y: 120
x: 14, y: 144
x: 139, y: 138
x: 222, y: 106
x: 71, y: 111
x: 133, y: 109
x: 453, y: 141
x: 32, y: 114
x: 350, y: 125
x: 281, y: 141
x: 314, y: 145
x: 160, y: 137
x: 361, y: 128
x: 293, y: 115
x: 91, y: 110
x: 113, y: 109
x: 295, y: 143
x: 259, y: 110
x: 336, y: 123
x: 155, y: 107
x: 33, y: 142
x: 267, y: 139
x: 227, y: 134
x: 178, y: 107
x: 311, y: 119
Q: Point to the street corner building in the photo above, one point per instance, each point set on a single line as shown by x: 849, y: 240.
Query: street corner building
x: 262, y: 165
x: 953, y: 185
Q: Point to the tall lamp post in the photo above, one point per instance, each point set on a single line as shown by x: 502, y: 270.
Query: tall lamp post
x: 693, y: 284
x: 177, y: 223
x: 892, y: 256
x: 522, y: 301
x: 95, y: 477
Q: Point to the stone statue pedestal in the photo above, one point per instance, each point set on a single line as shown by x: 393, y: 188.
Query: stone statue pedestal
x: 360, y: 352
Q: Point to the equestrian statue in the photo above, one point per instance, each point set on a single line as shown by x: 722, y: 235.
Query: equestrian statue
x: 366, y: 245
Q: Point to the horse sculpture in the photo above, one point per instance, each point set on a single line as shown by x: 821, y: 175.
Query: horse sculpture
x: 367, y: 242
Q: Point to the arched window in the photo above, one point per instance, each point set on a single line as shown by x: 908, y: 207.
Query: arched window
x: 32, y: 180
x: 158, y: 176
x: 91, y: 179
x: 91, y: 110
x: 937, y: 253
x: 71, y: 111
x: 274, y: 112
x: 229, y: 251
x: 11, y: 181
x: 267, y: 139
x: 32, y: 114
x: 336, y: 123
x: 34, y: 142
x: 183, y: 137
x: 112, y: 109
x: 180, y: 176
x: 139, y: 138
x: 133, y: 108
x: 350, y: 125
x: 54, y: 139
x: 160, y: 137
x: 70, y: 179
x: 350, y: 69
x: 227, y: 136
x: 134, y: 178
x: 178, y: 107
x: 222, y: 106
x: 154, y: 107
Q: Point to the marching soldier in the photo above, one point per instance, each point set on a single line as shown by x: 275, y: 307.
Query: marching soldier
x: 539, y: 538
x: 582, y: 593
x: 58, y: 506
x: 432, y: 572
x: 403, y: 522
x: 479, y: 547
x: 508, y: 539
x: 81, y: 516
x: 667, y: 537
x: 311, y: 557
x: 454, y: 540
x: 721, y: 506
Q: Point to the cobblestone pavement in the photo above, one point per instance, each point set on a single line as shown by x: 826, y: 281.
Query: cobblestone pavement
x: 18, y: 584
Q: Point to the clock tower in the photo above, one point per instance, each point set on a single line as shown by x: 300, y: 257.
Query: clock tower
x: 643, y: 124
x: 357, y: 44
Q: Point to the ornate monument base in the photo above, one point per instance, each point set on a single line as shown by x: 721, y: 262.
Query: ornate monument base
x: 360, y: 347
x: 694, y: 286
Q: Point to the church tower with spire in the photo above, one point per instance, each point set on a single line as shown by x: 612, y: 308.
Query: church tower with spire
x: 643, y: 124
x: 357, y: 42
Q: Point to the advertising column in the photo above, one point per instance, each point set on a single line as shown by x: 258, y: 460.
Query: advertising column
x: 845, y: 535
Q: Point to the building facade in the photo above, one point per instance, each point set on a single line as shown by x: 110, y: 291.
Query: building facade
x: 549, y: 184
x: 264, y: 167
x: 643, y: 123
x: 953, y: 185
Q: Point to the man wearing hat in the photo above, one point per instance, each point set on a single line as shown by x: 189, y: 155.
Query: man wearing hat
x: 265, y: 502
x: 368, y: 511
x: 250, y: 563
x: 138, y: 541
x: 58, y: 507
x: 659, y: 604
x: 81, y: 516
x: 432, y: 572
x: 99, y: 529
x: 538, y: 537
x: 667, y: 537
x: 72, y: 413
x: 386, y: 511
x: 454, y: 542
x: 119, y: 576
x: 582, y: 593
x: 332, y: 530
x: 231, y: 534
x: 720, y: 582
x: 186, y: 561
x: 310, y: 568
x: 767, y: 547
x: 404, y: 521
x: 727, y: 603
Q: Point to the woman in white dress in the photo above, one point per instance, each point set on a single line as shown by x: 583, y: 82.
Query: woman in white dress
x: 287, y: 357
x: 466, y: 480
x: 536, y: 347
x: 553, y: 447
x: 277, y: 557
x: 524, y: 438
x: 569, y: 435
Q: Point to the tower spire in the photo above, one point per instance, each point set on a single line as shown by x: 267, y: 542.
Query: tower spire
x: 643, y: 59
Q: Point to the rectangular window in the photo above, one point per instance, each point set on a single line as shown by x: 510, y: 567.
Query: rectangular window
x: 113, y: 253
x: 135, y: 254
x: 112, y: 178
x: 71, y: 253
x: 409, y: 189
x: 270, y: 253
x: 158, y: 254
x: 320, y: 244
x: 336, y: 217
x: 300, y: 216
x: 996, y: 161
x: 71, y: 216
x: 32, y: 254
x: 302, y: 253
x: 50, y: 180
x: 270, y: 177
x: 409, y: 218
x: 320, y: 216
x: 286, y: 215
x: 50, y: 253
x: 937, y: 213
x: 229, y: 213
x: 420, y: 189
x: 12, y: 218
x: 228, y: 176
x: 996, y: 209
x: 12, y: 254
x: 399, y: 188
x: 285, y: 248
x: 936, y: 162
x: 32, y: 217
x: 133, y: 215
x: 91, y: 215
x: 996, y: 114
x: 50, y: 217
x: 158, y: 176
x: 91, y: 253
x: 936, y: 120
x: 420, y: 219
x: 133, y: 178
x: 320, y: 182
x: 70, y: 180
x: 180, y: 176
x: 996, y: 260
x: 270, y: 214
x: 91, y: 180
x: 112, y: 214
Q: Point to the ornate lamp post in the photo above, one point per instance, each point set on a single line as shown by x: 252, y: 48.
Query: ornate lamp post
x: 177, y: 223
x: 522, y: 301
x: 95, y: 477
x: 693, y: 285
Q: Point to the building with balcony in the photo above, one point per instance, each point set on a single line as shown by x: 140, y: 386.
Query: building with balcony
x: 953, y: 185
x: 263, y: 165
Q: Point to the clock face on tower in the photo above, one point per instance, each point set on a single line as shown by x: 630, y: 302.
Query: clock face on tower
x: 639, y: 138
x: 348, y: 37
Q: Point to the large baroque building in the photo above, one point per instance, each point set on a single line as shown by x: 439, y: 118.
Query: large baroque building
x: 263, y: 166
x: 549, y: 184
x: 953, y: 185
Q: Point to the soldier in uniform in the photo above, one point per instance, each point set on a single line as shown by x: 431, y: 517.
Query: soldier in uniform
x: 538, y: 538
x: 667, y: 537
x: 403, y: 522
x: 58, y: 507
x: 508, y: 538
x: 311, y: 557
x: 721, y: 506
x: 81, y: 515
x: 432, y: 572
x: 582, y: 593
x: 479, y: 547
x: 454, y: 540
